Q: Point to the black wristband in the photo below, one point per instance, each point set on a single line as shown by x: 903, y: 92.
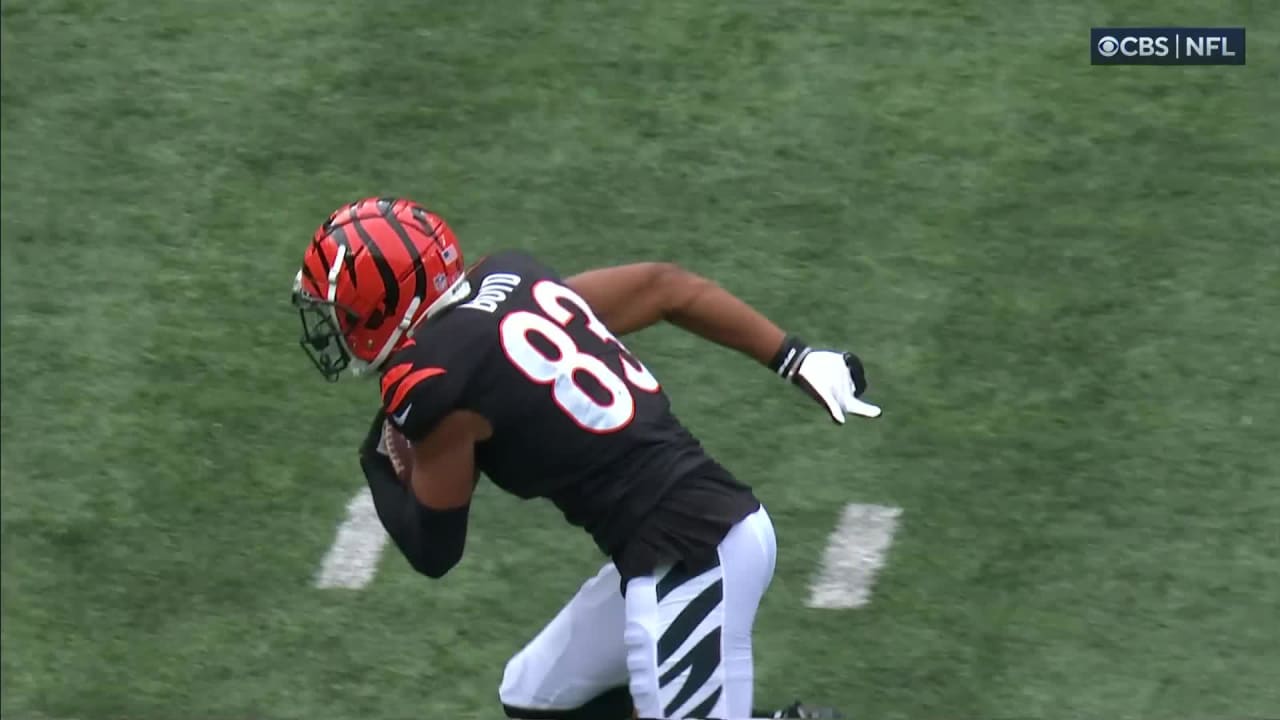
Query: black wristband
x: 788, y: 358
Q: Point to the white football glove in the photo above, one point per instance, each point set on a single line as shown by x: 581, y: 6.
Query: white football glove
x: 834, y: 379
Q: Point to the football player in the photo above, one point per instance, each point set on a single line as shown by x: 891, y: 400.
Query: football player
x: 508, y: 369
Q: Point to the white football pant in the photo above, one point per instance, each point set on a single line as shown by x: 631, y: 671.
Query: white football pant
x: 682, y: 643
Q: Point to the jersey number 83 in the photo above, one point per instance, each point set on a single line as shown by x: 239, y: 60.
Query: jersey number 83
x: 560, y: 369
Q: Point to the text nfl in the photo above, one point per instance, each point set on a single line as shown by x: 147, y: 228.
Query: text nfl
x: 1167, y: 46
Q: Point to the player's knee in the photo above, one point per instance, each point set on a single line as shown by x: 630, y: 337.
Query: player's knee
x: 512, y: 691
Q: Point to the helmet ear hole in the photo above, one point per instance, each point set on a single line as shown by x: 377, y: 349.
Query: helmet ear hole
x: 375, y: 319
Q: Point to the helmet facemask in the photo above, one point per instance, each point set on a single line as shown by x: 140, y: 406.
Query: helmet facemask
x: 322, y: 337
x: 324, y: 341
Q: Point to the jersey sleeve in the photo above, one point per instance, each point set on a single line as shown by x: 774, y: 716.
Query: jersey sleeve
x: 427, y: 381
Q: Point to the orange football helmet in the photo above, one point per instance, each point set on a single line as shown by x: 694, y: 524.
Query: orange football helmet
x: 374, y: 270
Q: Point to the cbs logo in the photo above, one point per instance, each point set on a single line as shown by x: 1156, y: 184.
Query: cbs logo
x: 1130, y: 46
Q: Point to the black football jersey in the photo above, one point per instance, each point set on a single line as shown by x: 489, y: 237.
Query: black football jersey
x: 576, y: 417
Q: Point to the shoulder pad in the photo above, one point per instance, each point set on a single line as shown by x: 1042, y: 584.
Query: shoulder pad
x: 419, y: 389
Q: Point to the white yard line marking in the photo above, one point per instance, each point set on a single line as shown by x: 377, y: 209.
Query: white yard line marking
x: 352, y: 560
x: 855, y: 552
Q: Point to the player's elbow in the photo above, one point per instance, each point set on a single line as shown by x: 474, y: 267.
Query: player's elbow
x: 434, y: 566
x: 669, y: 276
x: 437, y: 541
x: 678, y: 287
x: 434, y: 560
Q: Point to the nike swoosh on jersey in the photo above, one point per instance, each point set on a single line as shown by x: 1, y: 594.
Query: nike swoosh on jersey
x: 403, y: 415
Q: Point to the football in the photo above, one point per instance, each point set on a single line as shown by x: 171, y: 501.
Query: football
x: 398, y: 450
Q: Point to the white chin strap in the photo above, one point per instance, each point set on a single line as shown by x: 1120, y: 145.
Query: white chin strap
x: 455, y: 294
x: 332, y: 297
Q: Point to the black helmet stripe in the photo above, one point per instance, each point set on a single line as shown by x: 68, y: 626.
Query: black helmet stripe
x: 419, y: 272
x: 324, y: 261
x: 421, y: 216
x: 390, y: 286
x: 306, y: 273
x: 348, y: 262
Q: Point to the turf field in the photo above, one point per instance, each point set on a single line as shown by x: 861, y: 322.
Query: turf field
x: 1064, y: 279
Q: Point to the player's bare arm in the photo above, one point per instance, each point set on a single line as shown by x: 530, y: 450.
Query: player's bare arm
x: 632, y: 297
x: 444, y: 462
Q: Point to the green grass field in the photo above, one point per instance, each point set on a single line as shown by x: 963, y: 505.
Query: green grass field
x: 1064, y: 279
